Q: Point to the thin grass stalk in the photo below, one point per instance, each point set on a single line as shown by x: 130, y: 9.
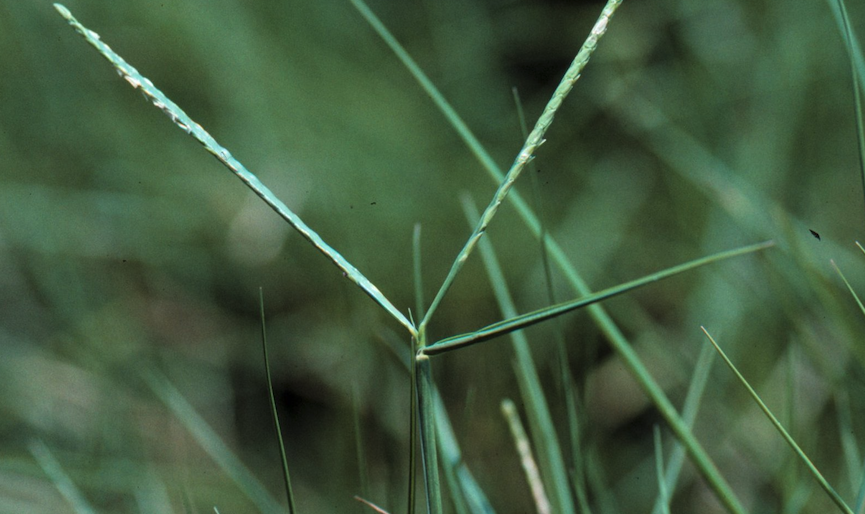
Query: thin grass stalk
x: 182, y: 120
x: 522, y: 321
x: 210, y: 441
x: 527, y: 460
x: 371, y: 505
x: 413, y: 392
x: 285, y: 474
x: 663, y: 494
x: 849, y: 287
x: 418, y: 272
x: 836, y: 498
x: 693, y: 399
x: 526, y: 153
x: 428, y: 434
x: 52, y: 467
x: 855, y: 47
x: 446, y: 443
x: 413, y: 437
x: 857, y: 93
x: 538, y: 412
x: 362, y: 468
x: 849, y: 446
x: 860, y: 494
x: 467, y: 494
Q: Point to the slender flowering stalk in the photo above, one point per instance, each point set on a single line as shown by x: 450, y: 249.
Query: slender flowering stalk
x: 182, y: 120
x: 526, y: 154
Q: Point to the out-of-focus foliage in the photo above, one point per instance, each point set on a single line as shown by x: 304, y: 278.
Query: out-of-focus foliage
x: 124, y: 247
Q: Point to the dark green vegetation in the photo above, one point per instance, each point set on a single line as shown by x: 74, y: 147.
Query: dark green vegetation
x: 131, y: 366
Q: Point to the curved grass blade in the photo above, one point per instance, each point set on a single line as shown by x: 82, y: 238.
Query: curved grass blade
x: 804, y: 458
x: 288, y: 493
x: 182, y: 120
x: 210, y: 441
x: 540, y: 315
x: 62, y: 482
x: 550, y: 455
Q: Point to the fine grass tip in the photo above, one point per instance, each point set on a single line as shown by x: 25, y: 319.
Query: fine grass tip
x: 835, y: 497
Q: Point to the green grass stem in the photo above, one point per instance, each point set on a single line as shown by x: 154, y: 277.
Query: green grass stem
x: 850, y: 40
x: 428, y: 434
x: 289, y: 495
x: 849, y: 287
x: 663, y: 494
x: 211, y: 442
x: 836, y: 498
x: 52, y: 467
x: 182, y: 120
x: 693, y: 400
x: 413, y: 437
x: 526, y: 320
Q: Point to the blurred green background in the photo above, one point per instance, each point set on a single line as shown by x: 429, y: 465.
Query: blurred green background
x: 124, y: 247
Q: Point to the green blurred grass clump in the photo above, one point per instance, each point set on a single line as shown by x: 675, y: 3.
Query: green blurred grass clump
x: 124, y: 246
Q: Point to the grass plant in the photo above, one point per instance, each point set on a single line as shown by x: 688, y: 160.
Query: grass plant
x: 597, y: 391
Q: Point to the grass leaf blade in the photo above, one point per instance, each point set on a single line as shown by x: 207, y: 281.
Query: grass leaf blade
x: 62, y: 482
x: 288, y: 492
x: 210, y: 441
x: 789, y: 439
x: 540, y: 315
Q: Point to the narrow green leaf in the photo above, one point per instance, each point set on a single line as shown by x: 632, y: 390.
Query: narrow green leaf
x: 210, y: 441
x: 689, y: 414
x: 465, y: 487
x: 52, y: 467
x: 358, y: 442
x: 663, y: 495
x: 428, y: 435
x: 540, y: 315
x: 849, y: 39
x: 804, y: 458
x: 849, y: 287
x: 288, y: 493
x: 182, y: 120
